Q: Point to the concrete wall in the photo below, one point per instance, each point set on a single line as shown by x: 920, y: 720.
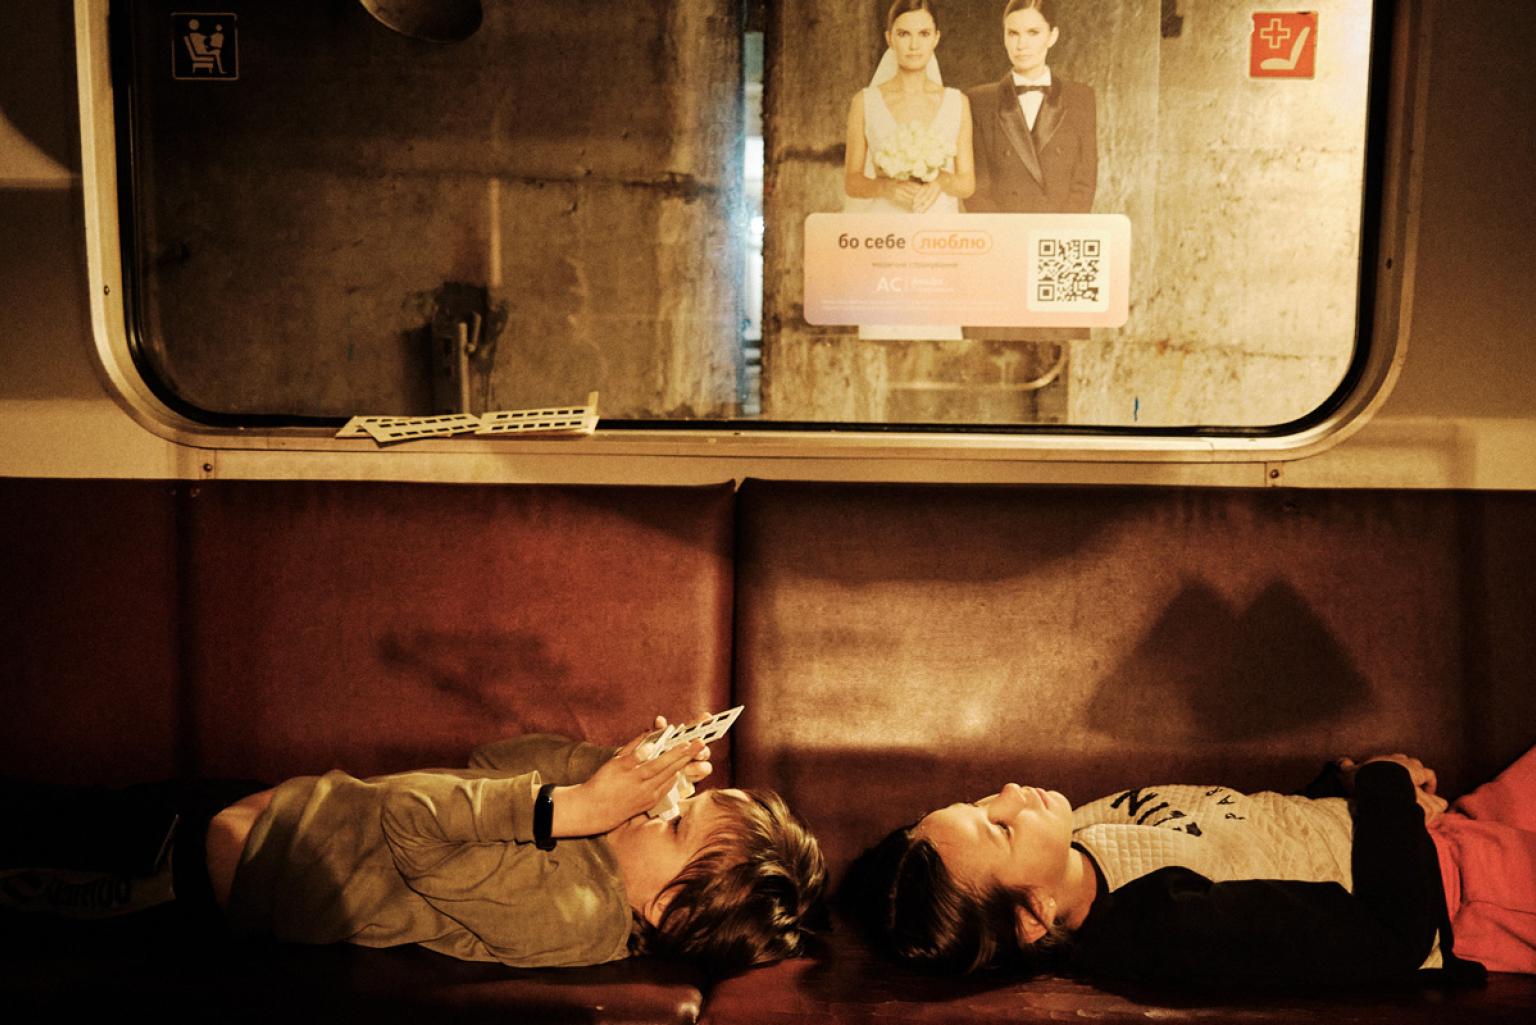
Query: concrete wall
x: 1245, y: 279
x: 579, y: 161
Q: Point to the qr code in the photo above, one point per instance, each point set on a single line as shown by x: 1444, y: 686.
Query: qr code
x: 1069, y: 273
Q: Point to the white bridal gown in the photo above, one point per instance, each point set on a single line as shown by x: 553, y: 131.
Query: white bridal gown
x: 878, y: 124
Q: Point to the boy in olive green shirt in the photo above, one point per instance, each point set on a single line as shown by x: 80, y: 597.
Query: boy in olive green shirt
x: 466, y: 862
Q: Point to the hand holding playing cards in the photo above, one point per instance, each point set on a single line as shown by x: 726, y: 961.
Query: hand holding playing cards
x: 694, y: 770
x: 625, y: 786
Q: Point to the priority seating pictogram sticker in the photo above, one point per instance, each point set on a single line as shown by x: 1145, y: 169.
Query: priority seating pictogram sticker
x: 205, y: 46
x: 1284, y: 45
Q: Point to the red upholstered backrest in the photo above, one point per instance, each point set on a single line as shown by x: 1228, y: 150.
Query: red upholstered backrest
x: 88, y: 630
x: 383, y: 626
x: 895, y: 646
x: 902, y: 647
x: 270, y: 629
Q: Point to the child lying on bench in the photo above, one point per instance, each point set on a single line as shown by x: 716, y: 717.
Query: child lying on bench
x: 466, y: 862
x: 1367, y: 880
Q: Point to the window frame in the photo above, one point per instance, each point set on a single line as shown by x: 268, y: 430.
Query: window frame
x: 626, y: 448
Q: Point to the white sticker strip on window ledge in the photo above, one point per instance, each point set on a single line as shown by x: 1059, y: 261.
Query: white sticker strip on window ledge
x: 553, y: 420
x: 356, y: 427
x: 402, y: 428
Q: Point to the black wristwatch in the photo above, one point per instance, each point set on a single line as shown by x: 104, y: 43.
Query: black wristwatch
x: 544, y: 818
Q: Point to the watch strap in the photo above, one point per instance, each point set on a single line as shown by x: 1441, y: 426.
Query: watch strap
x: 544, y: 818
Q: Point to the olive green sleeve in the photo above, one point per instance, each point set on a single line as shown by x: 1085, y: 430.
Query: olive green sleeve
x: 426, y: 809
x: 465, y: 846
x: 556, y: 759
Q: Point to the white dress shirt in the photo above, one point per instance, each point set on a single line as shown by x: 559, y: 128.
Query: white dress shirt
x: 1030, y: 103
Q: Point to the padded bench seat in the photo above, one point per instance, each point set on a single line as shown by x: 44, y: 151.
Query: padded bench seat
x: 849, y: 986
x: 68, y: 969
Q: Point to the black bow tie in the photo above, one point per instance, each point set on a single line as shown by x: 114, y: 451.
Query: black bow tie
x: 1020, y: 90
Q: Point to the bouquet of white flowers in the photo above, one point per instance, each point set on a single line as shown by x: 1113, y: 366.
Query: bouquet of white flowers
x: 915, y: 152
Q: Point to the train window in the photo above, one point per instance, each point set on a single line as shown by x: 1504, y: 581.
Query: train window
x: 1142, y: 216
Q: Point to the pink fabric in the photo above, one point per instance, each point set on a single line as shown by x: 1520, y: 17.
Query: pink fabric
x: 1487, y: 847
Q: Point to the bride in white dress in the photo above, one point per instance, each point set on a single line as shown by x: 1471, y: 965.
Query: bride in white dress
x: 908, y: 90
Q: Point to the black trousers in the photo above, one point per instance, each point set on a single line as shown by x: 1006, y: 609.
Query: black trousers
x: 123, y: 830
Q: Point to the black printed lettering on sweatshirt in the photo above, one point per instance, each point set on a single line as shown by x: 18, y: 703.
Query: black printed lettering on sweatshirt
x: 1135, y: 799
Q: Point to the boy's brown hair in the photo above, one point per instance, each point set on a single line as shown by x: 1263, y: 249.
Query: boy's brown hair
x: 751, y: 896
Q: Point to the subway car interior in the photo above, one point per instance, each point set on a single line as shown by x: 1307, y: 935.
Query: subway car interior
x: 382, y: 379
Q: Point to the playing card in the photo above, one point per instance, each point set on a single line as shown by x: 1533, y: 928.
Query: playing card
x: 708, y: 729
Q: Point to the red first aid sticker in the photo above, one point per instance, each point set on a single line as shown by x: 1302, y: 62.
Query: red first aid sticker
x: 1284, y: 45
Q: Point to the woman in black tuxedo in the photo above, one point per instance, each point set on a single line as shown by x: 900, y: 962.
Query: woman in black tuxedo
x: 1035, y: 134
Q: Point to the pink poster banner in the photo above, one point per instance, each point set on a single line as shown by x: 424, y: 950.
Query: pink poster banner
x: 971, y: 270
